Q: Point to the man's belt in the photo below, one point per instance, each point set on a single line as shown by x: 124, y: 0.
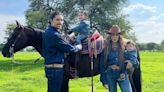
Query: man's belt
x: 54, y: 66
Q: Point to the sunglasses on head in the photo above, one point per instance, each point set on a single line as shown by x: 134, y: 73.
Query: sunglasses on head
x: 113, y: 34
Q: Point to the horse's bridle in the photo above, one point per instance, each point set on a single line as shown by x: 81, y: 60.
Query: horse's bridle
x: 11, y: 50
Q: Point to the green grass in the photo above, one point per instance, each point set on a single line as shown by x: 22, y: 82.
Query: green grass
x: 28, y: 77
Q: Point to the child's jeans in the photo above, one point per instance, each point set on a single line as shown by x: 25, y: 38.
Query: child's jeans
x: 80, y: 38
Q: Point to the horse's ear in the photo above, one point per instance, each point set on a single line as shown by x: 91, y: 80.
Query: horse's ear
x: 18, y: 24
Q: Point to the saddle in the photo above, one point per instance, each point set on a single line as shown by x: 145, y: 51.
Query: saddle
x: 92, y: 45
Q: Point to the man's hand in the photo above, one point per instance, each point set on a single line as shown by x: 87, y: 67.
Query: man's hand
x: 79, y: 46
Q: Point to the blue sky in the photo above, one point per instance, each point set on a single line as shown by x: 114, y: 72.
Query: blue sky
x: 13, y: 7
x: 146, y: 16
x: 11, y: 10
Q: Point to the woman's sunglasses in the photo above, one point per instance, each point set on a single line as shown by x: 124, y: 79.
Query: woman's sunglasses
x: 115, y: 34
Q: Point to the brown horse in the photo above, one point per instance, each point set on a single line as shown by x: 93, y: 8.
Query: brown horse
x: 26, y: 36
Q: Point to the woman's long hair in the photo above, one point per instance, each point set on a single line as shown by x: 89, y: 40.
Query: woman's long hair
x: 108, y: 47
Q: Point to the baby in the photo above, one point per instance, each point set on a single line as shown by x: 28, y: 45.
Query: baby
x: 83, y: 28
x: 130, y: 55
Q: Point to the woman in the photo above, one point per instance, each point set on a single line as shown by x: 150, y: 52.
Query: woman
x: 113, y: 61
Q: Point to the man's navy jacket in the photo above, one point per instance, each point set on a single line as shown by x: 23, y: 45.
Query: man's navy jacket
x: 54, y: 46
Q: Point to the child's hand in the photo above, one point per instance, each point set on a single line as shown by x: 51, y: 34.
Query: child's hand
x: 105, y: 86
x: 115, y: 67
x: 127, y: 61
x: 129, y: 65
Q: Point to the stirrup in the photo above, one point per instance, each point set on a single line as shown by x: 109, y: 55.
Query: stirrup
x: 73, y: 73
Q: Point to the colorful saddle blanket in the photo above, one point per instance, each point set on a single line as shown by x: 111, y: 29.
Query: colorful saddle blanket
x: 93, y: 45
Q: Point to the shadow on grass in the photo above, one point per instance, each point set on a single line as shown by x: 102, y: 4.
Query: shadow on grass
x: 21, y: 66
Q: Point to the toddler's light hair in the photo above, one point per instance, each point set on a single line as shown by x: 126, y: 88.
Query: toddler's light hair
x: 85, y: 12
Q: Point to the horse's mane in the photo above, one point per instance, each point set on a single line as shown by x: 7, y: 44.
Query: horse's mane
x: 34, y: 29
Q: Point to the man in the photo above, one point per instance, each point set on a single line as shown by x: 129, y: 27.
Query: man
x: 54, y: 47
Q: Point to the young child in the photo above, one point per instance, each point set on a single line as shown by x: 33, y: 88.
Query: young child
x: 83, y: 28
x: 130, y: 56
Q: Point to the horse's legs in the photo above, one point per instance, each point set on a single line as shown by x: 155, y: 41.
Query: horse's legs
x: 65, y: 87
x: 130, y: 72
x: 137, y: 79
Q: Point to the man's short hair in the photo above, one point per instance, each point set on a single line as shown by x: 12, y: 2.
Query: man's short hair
x: 53, y: 14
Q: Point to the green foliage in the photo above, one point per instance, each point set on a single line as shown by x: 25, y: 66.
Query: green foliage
x: 28, y: 77
x: 102, y: 13
x: 38, y: 13
x: 161, y: 47
x: 162, y: 42
x: 9, y: 30
x: 1, y: 46
x: 142, y: 46
x: 37, y: 19
x: 151, y: 46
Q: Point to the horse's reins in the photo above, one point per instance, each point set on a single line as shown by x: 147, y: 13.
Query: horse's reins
x: 11, y: 50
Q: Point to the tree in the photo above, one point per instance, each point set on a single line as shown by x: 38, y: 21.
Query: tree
x: 161, y: 47
x: 36, y: 19
x: 152, y: 46
x: 103, y: 13
x: 9, y: 30
x: 38, y: 13
x: 142, y: 46
x: 162, y: 42
x: 1, y: 46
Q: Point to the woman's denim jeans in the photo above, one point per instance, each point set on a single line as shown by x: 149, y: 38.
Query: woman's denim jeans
x: 125, y: 85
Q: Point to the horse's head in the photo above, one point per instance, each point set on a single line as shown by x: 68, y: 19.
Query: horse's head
x: 17, y: 40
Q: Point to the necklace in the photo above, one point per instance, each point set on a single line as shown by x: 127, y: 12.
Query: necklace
x: 115, y: 47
